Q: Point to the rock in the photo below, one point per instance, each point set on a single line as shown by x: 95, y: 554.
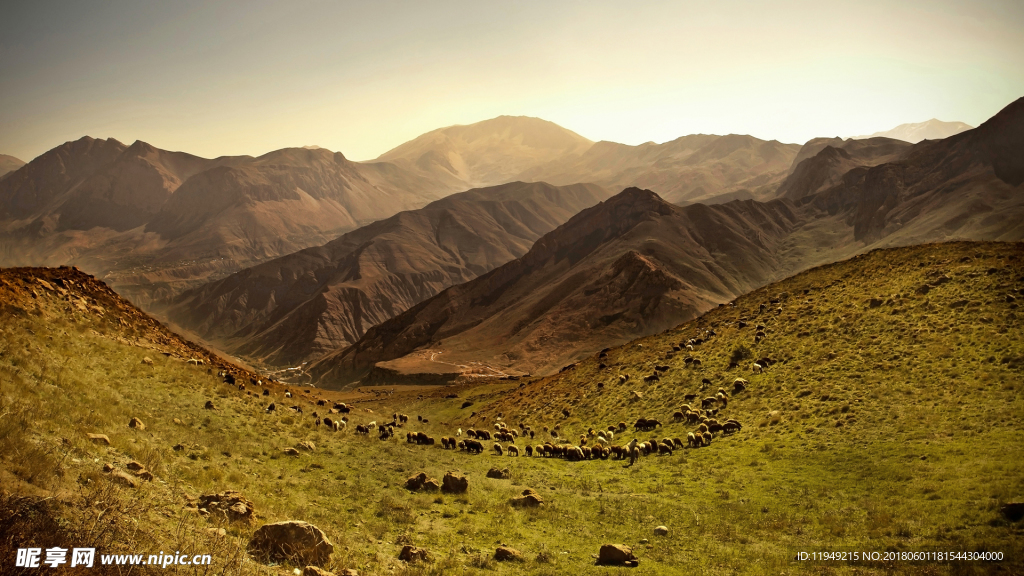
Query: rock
x: 315, y: 571
x: 178, y: 447
x: 1013, y: 510
x: 307, y: 446
x: 499, y: 474
x: 506, y: 554
x: 661, y: 530
x: 292, y: 540
x: 108, y: 468
x: 134, y: 466
x: 454, y: 483
x: 217, y: 532
x: 99, y: 439
x: 416, y: 482
x: 291, y: 452
x: 177, y: 422
x: 209, y: 405
x: 145, y: 475
x: 349, y: 572
x: 637, y: 395
x: 230, y: 504
x: 431, y: 485
x: 137, y: 424
x: 529, y: 498
x: 123, y: 478
x: 413, y: 554
x: 874, y: 302
x: 616, y: 555
x: 147, y: 361
x: 644, y: 541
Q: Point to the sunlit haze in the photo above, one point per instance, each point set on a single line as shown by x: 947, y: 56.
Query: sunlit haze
x: 234, y: 77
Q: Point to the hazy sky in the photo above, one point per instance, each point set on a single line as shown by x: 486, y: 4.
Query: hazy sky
x: 247, y: 77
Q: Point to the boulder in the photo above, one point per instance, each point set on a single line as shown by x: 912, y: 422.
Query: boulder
x: 506, y: 554
x: 431, y: 485
x: 100, y: 439
x: 147, y: 361
x: 413, y: 554
x: 145, y: 475
x: 416, y: 482
x: 108, y: 468
x: 291, y: 452
x: 123, y: 478
x: 454, y: 483
x: 661, y: 530
x: 137, y: 424
x: 528, y: 499
x: 230, y: 505
x: 1013, y: 510
x: 499, y: 474
x: 292, y: 540
x: 616, y: 555
x: 307, y: 446
x: 134, y: 466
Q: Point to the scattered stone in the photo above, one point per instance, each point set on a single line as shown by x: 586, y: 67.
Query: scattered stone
x: 145, y: 475
x: 293, y: 540
x: 431, y: 485
x: 291, y: 452
x: 178, y: 447
x: 644, y: 541
x: 147, y: 361
x: 123, y: 478
x: 499, y: 474
x: 209, y: 405
x: 177, y: 422
x: 616, y: 555
x: 349, y: 572
x: 637, y: 395
x: 506, y: 554
x: 307, y: 446
x: 529, y: 498
x: 454, y: 483
x: 661, y: 530
x: 134, y: 466
x: 136, y: 423
x: 315, y: 571
x: 413, y: 554
x: 230, y: 504
x: 108, y: 468
x: 99, y: 439
x: 217, y: 532
x: 874, y: 303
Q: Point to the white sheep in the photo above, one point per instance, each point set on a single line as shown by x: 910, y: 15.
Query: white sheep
x: 610, y: 434
x: 756, y: 368
x: 372, y: 425
x: 458, y: 432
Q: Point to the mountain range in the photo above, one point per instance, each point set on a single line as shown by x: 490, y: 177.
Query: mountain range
x: 636, y: 264
x: 9, y: 164
x: 309, y: 303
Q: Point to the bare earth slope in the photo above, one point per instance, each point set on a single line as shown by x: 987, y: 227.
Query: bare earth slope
x: 631, y: 265
x: 155, y: 222
x: 825, y: 168
x: 308, y: 303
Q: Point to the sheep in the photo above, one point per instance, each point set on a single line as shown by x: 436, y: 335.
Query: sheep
x: 739, y: 385
x: 691, y: 440
x: 664, y: 448
x: 678, y: 416
x: 529, y: 450
x: 634, y: 454
x: 372, y: 425
x: 709, y: 401
x: 730, y: 427
x: 287, y: 394
x: 756, y: 368
x: 610, y: 434
x: 622, y: 427
x: 458, y: 432
x: 513, y: 451
x: 678, y: 442
x: 497, y: 448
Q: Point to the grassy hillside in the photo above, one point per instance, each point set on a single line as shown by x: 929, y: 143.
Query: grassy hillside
x: 891, y: 419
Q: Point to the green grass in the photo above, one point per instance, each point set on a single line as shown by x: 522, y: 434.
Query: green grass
x: 908, y: 439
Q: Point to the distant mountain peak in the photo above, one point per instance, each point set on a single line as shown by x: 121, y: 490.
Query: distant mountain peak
x: 933, y: 129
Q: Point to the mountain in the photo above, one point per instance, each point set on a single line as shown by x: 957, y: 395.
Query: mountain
x: 822, y: 162
x: 931, y: 130
x: 631, y: 265
x: 487, y: 153
x: 308, y: 303
x: 690, y: 168
x: 9, y: 164
x: 155, y: 222
x: 636, y: 264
